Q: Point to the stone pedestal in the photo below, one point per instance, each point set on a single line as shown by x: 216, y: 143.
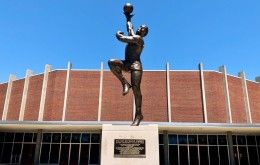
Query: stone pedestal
x: 120, y: 145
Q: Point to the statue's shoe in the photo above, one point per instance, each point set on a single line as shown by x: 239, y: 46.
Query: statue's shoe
x: 126, y: 88
x: 137, y: 120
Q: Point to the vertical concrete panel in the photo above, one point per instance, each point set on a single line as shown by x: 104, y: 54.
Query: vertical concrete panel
x: 25, y: 94
x: 186, y: 98
x: 236, y: 100
x: 203, y: 94
x: 33, y: 98
x: 115, y: 107
x: 83, y: 96
x: 8, y: 95
x: 154, y: 91
x: 55, y: 96
x: 3, y: 89
x: 254, y: 98
x: 216, y: 105
x: 223, y: 70
x: 100, y: 91
x: 65, y: 102
x: 169, y: 111
x: 246, y: 97
x: 15, y: 100
x: 44, y: 90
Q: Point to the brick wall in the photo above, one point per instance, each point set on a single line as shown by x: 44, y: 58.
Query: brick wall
x: 83, y: 96
x: 33, y: 98
x: 237, y: 100
x: 154, y: 91
x: 186, y: 104
x: 254, y: 100
x: 215, y: 98
x: 55, y: 96
x: 15, y: 100
x: 3, y: 88
x: 115, y: 107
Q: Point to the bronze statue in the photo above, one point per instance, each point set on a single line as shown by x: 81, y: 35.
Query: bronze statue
x: 132, y: 62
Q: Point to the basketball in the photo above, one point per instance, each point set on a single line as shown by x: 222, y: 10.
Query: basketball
x: 128, y: 8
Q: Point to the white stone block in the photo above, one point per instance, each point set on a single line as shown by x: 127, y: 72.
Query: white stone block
x: 148, y: 132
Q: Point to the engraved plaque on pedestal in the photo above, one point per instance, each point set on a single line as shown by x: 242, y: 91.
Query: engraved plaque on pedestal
x: 129, y: 148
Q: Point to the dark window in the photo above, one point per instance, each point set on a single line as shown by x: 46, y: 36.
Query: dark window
x: 212, y: 139
x: 204, y: 155
x: 84, y: 155
x: 94, y: 154
x: 235, y: 155
x: 183, y: 155
x: 18, y: 137
x: 95, y: 138
x: 64, y: 155
x: 85, y: 138
x: 2, y: 136
x: 192, y: 139
x: 234, y: 140
x: 56, y: 137
x: 1, y: 149
x: 223, y: 154
x: 74, y: 154
x: 222, y: 139
x: 28, y: 153
x: 45, y: 150
x: 182, y: 139
x: 160, y: 138
x: 75, y: 138
x: 252, y: 151
x: 28, y: 137
x: 54, y: 156
x: 9, y: 137
x: 161, y: 154
x: 34, y: 137
x: 243, y: 155
x: 66, y: 137
x: 250, y: 140
x: 173, y: 154
x: 203, y: 139
x: 241, y: 140
x: 213, y: 154
x: 7, y: 150
x: 172, y: 139
x: 16, y: 152
x: 194, y: 155
x: 258, y: 140
x: 46, y: 137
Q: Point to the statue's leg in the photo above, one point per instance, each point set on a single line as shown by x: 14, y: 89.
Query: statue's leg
x: 136, y: 77
x: 116, y: 67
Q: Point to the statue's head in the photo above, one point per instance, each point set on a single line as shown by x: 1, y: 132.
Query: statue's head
x: 142, y: 31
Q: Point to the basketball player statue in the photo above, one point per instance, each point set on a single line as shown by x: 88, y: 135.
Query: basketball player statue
x: 132, y: 63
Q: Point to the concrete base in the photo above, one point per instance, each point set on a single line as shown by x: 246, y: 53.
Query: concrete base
x: 111, y: 132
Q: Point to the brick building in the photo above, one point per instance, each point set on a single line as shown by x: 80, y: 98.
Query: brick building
x: 204, y: 117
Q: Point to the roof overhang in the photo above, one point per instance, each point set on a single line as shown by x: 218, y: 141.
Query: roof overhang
x: 174, y: 127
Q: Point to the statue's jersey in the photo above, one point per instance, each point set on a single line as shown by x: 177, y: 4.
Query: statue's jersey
x: 132, y: 56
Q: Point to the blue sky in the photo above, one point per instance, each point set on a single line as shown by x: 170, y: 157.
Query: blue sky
x: 183, y: 33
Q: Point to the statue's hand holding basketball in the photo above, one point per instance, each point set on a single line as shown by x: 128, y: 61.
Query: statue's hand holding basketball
x: 128, y: 9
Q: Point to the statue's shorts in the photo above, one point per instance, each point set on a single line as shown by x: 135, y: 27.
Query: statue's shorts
x: 132, y: 66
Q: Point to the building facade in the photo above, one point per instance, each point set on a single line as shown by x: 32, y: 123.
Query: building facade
x: 204, y: 117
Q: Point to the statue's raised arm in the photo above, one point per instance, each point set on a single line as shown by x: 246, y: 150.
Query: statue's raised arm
x: 128, y: 9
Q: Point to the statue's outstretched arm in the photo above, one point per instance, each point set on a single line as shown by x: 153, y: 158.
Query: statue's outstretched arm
x: 126, y: 39
x: 129, y: 24
x: 130, y: 29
